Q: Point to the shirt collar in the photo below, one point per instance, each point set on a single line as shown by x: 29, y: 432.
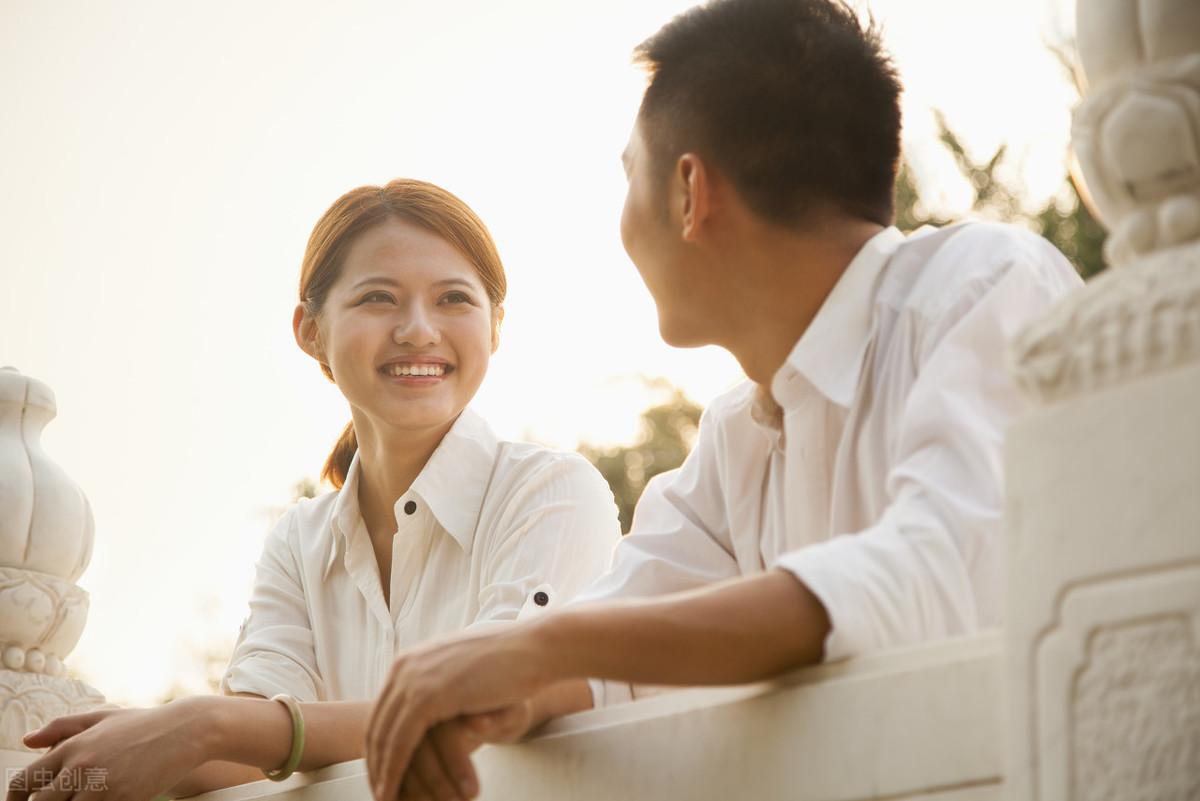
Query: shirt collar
x: 455, y: 479
x: 830, y: 351
x: 452, y: 484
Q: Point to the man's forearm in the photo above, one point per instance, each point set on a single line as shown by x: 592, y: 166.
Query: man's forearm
x: 735, y: 632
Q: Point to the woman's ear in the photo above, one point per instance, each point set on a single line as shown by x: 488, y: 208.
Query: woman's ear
x: 497, y: 318
x: 308, y: 336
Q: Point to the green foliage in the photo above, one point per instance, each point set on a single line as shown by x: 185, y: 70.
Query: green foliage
x: 1065, y: 220
x: 668, y: 430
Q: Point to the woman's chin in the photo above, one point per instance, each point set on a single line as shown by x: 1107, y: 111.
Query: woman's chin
x: 418, y: 416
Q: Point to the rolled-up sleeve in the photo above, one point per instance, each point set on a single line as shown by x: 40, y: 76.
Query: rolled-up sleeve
x: 274, y: 652
x: 930, y: 566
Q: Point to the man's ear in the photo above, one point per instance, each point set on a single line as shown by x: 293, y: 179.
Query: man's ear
x: 497, y: 318
x: 694, y: 187
x: 308, y: 336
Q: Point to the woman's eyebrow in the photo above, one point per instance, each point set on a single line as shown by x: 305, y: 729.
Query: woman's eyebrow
x: 387, y: 281
x: 375, y: 279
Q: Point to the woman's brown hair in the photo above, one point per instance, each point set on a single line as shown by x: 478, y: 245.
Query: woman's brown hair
x: 359, y: 210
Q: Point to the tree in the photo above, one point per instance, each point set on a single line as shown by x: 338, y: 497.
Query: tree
x: 1065, y: 220
x: 668, y: 430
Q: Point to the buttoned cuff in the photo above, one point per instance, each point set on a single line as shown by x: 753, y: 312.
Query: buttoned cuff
x: 540, y: 600
x: 262, y: 675
x: 822, y: 568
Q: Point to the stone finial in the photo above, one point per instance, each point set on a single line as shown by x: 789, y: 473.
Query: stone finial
x: 1137, y: 134
x: 46, y: 532
x: 1137, y: 137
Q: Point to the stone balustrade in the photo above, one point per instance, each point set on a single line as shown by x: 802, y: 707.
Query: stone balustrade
x: 1092, y: 691
x: 924, y: 724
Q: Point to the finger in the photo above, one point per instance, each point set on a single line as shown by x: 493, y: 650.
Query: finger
x: 32, y: 777
x: 60, y: 729
x: 399, y: 740
x: 505, y: 725
x: 453, y: 744
x: 429, y: 769
x: 413, y: 789
x: 62, y: 788
x: 376, y: 738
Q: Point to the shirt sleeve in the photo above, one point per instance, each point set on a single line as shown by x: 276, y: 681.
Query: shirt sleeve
x: 559, y: 531
x: 930, y: 566
x: 679, y: 540
x: 274, y: 652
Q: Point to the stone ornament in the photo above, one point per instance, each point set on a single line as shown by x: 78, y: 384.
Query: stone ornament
x: 1102, y: 514
x: 46, y: 532
x: 1137, y: 138
x: 1124, y: 324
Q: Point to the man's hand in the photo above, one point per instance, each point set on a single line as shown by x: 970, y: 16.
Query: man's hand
x: 441, y: 768
x: 442, y: 700
x: 737, y: 631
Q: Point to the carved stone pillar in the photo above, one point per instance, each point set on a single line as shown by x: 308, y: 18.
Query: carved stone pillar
x: 45, y: 544
x: 1103, y: 479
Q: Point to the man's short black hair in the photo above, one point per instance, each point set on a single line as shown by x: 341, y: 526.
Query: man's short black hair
x: 794, y: 101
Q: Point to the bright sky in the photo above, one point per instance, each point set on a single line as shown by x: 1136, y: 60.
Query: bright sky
x: 161, y: 167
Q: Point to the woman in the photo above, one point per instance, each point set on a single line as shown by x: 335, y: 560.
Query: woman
x: 436, y: 526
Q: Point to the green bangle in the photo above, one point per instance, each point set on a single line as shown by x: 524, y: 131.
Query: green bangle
x: 293, y: 760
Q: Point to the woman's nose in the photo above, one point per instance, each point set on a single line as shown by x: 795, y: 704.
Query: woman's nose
x: 416, y: 328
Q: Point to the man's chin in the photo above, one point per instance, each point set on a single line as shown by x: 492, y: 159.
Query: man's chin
x: 678, y: 334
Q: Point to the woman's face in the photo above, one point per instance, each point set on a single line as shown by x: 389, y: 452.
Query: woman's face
x: 407, y: 328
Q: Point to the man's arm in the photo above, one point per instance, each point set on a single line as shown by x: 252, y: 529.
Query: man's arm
x: 738, y: 631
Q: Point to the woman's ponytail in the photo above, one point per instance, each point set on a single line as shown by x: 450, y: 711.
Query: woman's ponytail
x: 338, y: 463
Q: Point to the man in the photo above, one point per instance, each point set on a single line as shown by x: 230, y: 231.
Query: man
x: 844, y: 500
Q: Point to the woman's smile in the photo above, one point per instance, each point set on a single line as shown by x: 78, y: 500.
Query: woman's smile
x: 420, y: 372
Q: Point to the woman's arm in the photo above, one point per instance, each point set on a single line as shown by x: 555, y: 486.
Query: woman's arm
x: 178, y: 747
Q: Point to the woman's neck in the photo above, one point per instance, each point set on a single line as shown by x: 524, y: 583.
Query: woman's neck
x: 388, y: 464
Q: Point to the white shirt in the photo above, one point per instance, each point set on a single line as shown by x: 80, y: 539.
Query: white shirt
x: 877, y: 479
x: 489, y: 531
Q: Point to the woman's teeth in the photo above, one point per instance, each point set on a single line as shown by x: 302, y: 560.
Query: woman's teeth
x: 415, y: 369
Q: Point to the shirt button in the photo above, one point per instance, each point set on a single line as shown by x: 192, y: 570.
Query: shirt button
x: 541, y: 598
x: 410, y: 507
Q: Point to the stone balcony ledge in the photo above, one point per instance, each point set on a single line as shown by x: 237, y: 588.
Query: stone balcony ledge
x: 915, y: 725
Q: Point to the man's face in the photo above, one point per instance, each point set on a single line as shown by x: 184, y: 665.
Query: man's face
x: 650, y: 231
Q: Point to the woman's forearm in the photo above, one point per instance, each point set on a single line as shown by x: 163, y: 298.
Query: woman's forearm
x: 258, y: 733
x: 214, y: 776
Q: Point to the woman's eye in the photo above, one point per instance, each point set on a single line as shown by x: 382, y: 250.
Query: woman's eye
x: 376, y: 297
x: 456, y: 297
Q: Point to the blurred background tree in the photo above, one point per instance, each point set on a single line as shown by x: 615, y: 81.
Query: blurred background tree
x: 667, y: 432
x: 1064, y: 220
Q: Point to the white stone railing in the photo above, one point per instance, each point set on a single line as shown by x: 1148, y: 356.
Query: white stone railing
x: 1092, y: 691
x: 923, y: 724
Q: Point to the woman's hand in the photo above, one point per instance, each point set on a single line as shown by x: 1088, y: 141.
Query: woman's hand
x: 119, y: 754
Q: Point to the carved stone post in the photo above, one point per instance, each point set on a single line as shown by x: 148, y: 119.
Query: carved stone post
x: 45, y: 544
x: 1103, y: 479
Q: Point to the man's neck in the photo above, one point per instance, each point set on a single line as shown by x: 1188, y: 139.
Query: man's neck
x: 784, y: 279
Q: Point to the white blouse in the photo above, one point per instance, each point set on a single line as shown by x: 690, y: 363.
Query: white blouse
x: 873, y: 471
x: 490, y: 531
